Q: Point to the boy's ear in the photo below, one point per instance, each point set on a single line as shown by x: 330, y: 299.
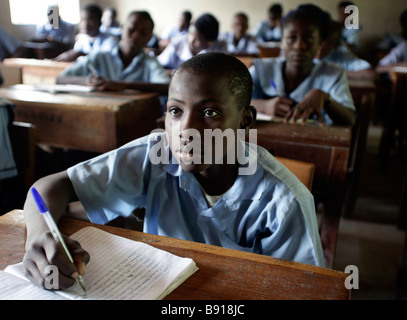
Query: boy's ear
x: 248, y: 118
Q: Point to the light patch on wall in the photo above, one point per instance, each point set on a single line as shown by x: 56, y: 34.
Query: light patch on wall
x: 35, y: 12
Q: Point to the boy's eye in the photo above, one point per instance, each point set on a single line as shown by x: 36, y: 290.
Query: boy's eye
x: 210, y: 113
x: 174, y: 111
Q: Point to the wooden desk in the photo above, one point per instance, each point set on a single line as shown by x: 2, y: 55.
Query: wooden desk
x: 96, y: 122
x: 395, y: 114
x: 36, y: 71
x: 326, y: 147
x: 223, y: 273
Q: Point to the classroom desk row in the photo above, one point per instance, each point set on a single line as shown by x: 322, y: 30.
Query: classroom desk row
x: 224, y: 274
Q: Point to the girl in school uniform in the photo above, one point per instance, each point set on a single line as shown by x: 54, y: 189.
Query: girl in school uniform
x: 295, y: 86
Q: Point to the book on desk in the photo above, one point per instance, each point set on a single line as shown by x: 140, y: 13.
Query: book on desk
x: 119, y: 268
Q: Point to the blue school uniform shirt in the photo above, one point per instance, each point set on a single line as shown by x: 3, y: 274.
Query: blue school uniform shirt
x: 178, y: 51
x: 64, y: 33
x: 326, y: 76
x: 268, y: 212
x: 109, y: 65
x: 8, y: 167
x: 264, y: 33
x: 397, y: 55
x: 102, y: 42
x: 246, y: 45
x: 347, y: 59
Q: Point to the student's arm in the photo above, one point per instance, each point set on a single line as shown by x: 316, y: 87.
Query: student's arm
x: 41, y: 248
x: 69, y: 56
x: 314, y: 102
x: 278, y: 106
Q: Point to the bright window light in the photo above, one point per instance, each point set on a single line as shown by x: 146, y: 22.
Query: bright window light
x: 35, y: 12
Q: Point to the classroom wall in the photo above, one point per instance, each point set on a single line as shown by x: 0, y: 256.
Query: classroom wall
x: 375, y: 16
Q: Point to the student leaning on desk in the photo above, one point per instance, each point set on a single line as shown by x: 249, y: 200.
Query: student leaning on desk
x: 266, y: 210
x: 294, y: 86
x: 127, y: 66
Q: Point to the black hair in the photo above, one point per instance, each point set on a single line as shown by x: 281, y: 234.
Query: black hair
x: 187, y: 15
x: 208, y: 26
x: 311, y: 14
x: 276, y: 9
x: 403, y: 17
x: 223, y: 65
x: 94, y: 10
x: 143, y: 14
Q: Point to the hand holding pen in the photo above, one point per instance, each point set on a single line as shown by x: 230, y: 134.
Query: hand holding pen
x: 53, y: 249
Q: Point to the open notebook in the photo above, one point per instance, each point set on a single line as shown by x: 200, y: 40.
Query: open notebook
x: 119, y: 268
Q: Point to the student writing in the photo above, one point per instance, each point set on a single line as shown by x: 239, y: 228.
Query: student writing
x: 127, y: 66
x: 268, y: 212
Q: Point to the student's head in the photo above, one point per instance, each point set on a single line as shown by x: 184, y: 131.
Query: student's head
x: 209, y: 91
x: 240, y: 24
x: 341, y: 10
x: 185, y: 20
x: 91, y: 16
x: 333, y: 39
x: 137, y: 31
x: 109, y: 16
x: 204, y: 31
x: 403, y: 23
x: 303, y: 31
x: 274, y: 15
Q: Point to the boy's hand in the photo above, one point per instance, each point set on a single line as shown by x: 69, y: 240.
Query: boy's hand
x: 279, y: 106
x: 44, y: 251
x: 313, y: 103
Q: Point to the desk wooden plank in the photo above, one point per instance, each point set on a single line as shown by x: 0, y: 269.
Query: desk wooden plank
x: 97, y: 121
x: 223, y: 273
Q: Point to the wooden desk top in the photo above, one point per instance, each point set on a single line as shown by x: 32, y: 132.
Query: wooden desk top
x: 98, y: 100
x: 223, y: 273
x: 36, y: 63
x: 331, y: 135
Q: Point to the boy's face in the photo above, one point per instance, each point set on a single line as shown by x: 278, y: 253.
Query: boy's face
x: 239, y: 26
x: 136, y: 33
x: 199, y: 101
x: 89, y: 24
x: 300, y: 42
x: 197, y: 42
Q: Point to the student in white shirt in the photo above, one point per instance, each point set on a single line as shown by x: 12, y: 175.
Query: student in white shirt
x: 238, y: 41
x: 89, y: 39
x: 202, y: 37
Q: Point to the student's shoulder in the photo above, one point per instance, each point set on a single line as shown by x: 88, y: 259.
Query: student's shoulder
x: 274, y: 170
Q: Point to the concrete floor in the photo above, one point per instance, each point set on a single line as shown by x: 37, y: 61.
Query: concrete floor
x: 370, y: 239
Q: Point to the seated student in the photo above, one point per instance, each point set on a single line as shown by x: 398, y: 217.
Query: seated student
x: 89, y: 39
x: 397, y: 55
x: 265, y: 210
x: 47, y: 32
x: 270, y: 30
x: 202, y: 37
x: 127, y: 66
x: 391, y: 40
x: 110, y: 25
x: 334, y: 50
x: 294, y: 86
x: 9, y: 45
x: 350, y: 36
x: 238, y: 41
x: 174, y: 31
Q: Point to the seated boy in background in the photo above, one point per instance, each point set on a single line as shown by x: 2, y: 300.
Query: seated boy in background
x: 89, y: 39
x: 202, y: 37
x: 127, y: 66
x: 188, y: 193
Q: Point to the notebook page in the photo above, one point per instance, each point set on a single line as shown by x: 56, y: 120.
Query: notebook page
x: 120, y: 268
x: 15, y: 288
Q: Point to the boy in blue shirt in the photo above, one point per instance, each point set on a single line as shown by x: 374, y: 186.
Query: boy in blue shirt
x: 126, y: 66
x: 186, y: 194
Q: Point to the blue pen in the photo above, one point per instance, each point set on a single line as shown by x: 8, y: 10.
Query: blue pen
x: 273, y: 84
x: 53, y: 228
